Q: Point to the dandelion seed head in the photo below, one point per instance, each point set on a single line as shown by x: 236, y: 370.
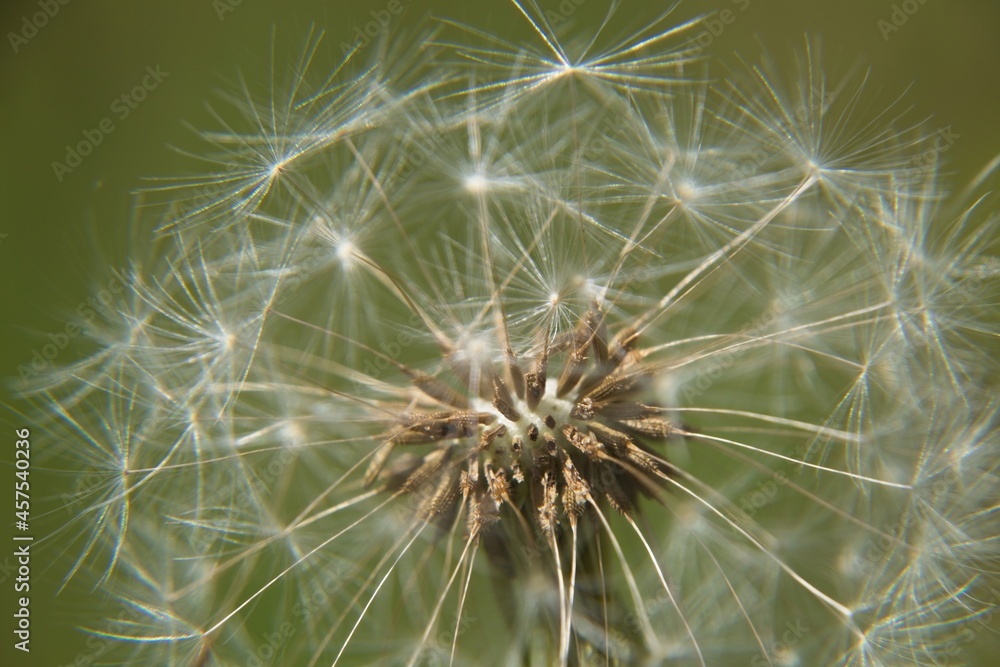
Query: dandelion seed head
x: 671, y: 369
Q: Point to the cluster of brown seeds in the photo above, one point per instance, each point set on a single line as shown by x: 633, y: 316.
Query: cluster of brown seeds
x: 540, y: 449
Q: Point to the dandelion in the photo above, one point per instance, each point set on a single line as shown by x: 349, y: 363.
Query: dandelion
x: 472, y: 375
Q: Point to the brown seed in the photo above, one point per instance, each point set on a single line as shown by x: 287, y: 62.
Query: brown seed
x: 611, y: 386
x: 575, y: 492
x: 651, y: 427
x: 503, y: 401
x: 516, y: 375
x: 620, y: 410
x: 583, y: 410
x: 419, y: 429
x: 445, y: 495
x: 491, y: 434
x: 623, y: 343
x: 378, y: 461
x: 577, y: 358
x: 429, y: 467
x: 591, y: 448
x: 547, y: 510
x: 616, y: 441
x: 534, y: 385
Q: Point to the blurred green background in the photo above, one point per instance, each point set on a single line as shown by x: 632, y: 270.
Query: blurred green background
x: 59, y: 238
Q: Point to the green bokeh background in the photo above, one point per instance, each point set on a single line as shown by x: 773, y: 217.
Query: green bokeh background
x: 62, y: 237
